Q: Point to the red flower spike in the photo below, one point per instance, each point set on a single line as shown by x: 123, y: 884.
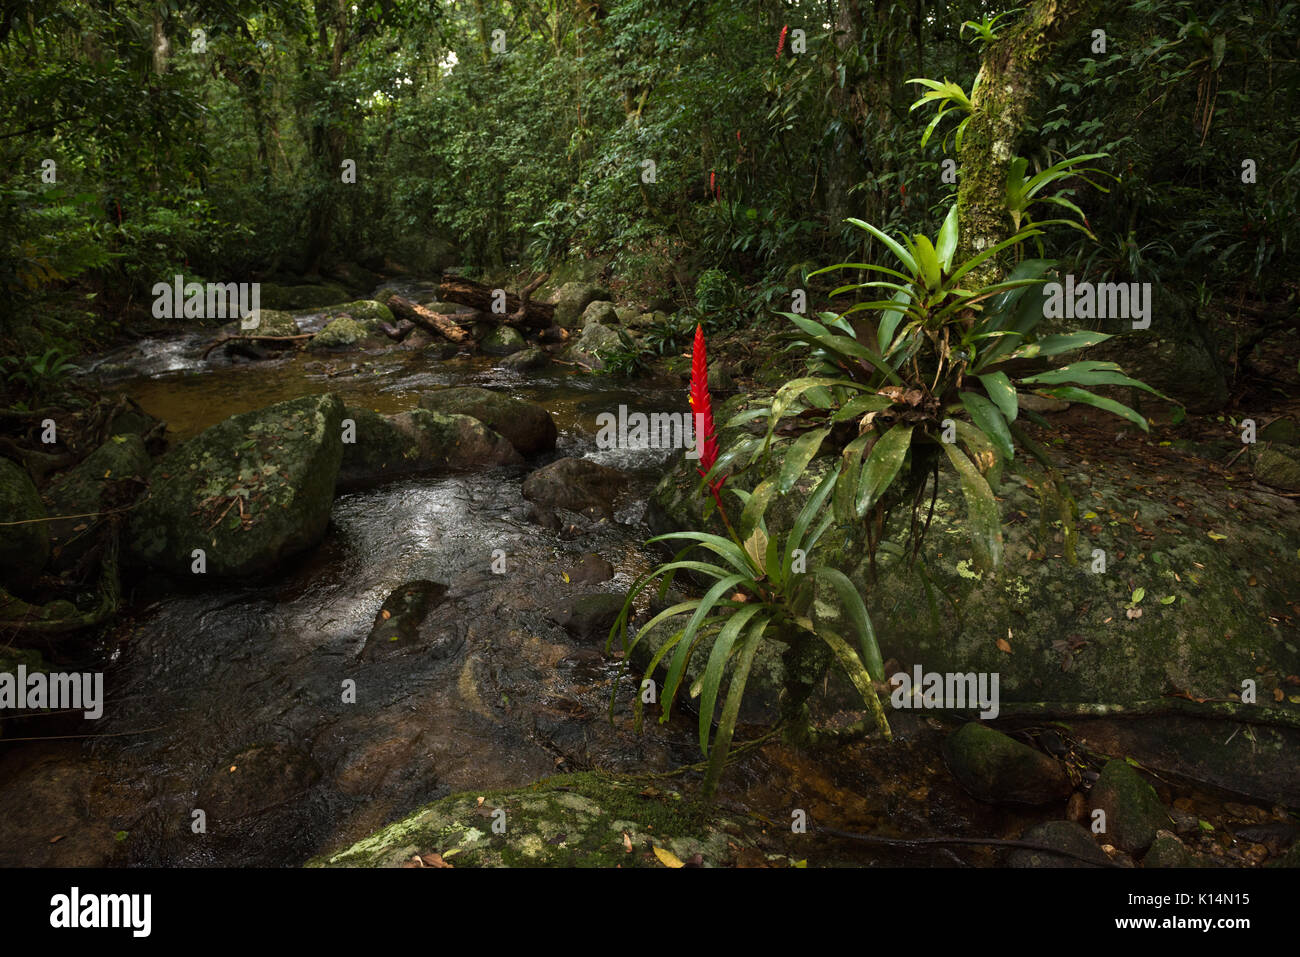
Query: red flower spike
x: 702, y: 406
x: 780, y: 45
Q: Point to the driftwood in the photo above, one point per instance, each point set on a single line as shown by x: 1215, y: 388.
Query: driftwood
x: 426, y: 319
x: 251, y: 338
x: 398, y: 332
x: 520, y: 310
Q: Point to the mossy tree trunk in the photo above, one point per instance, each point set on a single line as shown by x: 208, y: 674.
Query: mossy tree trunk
x: 1010, y: 78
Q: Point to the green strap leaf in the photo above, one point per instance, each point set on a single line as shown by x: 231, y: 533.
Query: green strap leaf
x: 718, y: 657
x: 731, y: 709
x: 1071, y: 394
x: 981, y: 507
x: 856, y: 610
x: 801, y: 452
x: 1002, y: 392
x: 986, y: 415
x: 882, y: 466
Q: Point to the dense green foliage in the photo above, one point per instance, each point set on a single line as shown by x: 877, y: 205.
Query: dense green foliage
x: 210, y: 137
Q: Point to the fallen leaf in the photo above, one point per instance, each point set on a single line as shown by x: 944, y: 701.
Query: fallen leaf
x: 433, y: 860
x: 667, y: 858
x: 1215, y: 536
x: 1004, y: 645
x: 385, y: 614
x: 1279, y: 695
x: 627, y: 842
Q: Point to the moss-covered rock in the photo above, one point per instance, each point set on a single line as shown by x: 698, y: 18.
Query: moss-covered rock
x: 112, y: 476
x: 578, y: 820
x: 1167, y: 851
x: 528, y: 426
x: 1001, y: 770
x: 601, y: 311
x: 1076, y: 844
x: 368, y: 312
x: 590, y: 348
x: 1278, y: 469
x: 24, y: 549
x: 1133, y: 812
x: 277, y: 296
x: 275, y: 322
x: 578, y: 485
x: 340, y: 333
x: 502, y: 340
x: 527, y: 360
x: 572, y: 298
x: 250, y: 491
x: 1284, y: 431
x: 387, y: 446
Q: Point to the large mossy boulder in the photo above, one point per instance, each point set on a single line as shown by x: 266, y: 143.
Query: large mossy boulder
x: 602, y: 311
x: 341, y: 333
x: 528, y: 426
x: 315, y: 296
x: 274, y: 322
x: 573, y: 820
x: 112, y: 476
x: 594, y: 344
x: 369, y: 312
x: 25, y: 548
x: 1133, y: 811
x: 1279, y: 469
x: 1000, y: 770
x: 577, y: 485
x: 574, y: 297
x: 250, y: 491
x: 387, y: 446
x: 502, y: 340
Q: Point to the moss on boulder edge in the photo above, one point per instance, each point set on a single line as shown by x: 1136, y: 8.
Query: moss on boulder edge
x: 576, y: 820
x: 281, y: 461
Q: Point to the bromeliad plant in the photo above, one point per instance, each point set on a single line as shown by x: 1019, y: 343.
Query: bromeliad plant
x: 759, y: 592
x: 937, y: 376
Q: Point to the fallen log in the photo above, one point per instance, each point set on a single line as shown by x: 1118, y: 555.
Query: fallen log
x: 426, y: 319
x: 224, y: 339
x: 519, y: 311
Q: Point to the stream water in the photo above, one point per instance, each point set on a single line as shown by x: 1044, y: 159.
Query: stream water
x: 231, y: 700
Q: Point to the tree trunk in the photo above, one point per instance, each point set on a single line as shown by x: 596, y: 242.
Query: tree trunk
x: 525, y: 312
x: 426, y: 319
x: 1010, y: 78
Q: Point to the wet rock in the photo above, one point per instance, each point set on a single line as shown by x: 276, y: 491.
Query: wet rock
x: 1167, y: 851
x: 528, y: 426
x: 24, y: 549
x: 503, y: 340
x: 1283, y: 431
x: 1001, y: 770
x: 591, y: 346
x: 590, y: 617
x: 273, y: 322
x: 250, y: 491
x: 601, y: 311
x: 720, y: 378
x: 526, y: 360
x: 587, y: 820
x: 388, y: 446
x: 1042, y: 403
x: 574, y: 297
x: 1290, y: 859
x: 1063, y: 836
x: 340, y: 333
x: 1278, y: 469
x: 398, y: 620
x: 112, y: 476
x: 53, y: 811
x: 1133, y: 812
x: 255, y: 781
x: 277, y: 296
x: 579, y: 485
x: 590, y: 570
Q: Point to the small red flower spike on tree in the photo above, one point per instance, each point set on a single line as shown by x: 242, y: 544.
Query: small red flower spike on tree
x: 702, y: 407
x: 780, y: 44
